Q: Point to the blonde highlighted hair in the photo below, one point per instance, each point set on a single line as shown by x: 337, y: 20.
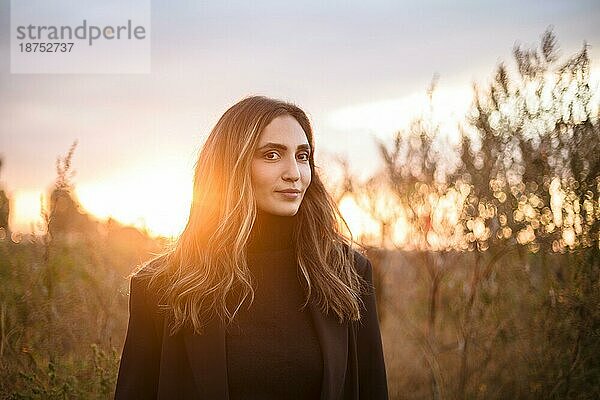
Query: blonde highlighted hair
x: 205, y: 268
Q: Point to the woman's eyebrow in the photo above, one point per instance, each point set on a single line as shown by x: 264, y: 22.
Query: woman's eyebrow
x: 282, y: 146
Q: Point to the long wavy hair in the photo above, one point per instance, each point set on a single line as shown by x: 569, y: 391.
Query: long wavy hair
x: 199, y: 274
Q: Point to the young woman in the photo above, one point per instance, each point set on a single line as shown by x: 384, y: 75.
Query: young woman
x: 261, y: 296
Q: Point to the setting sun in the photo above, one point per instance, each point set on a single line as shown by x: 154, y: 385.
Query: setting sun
x: 157, y: 199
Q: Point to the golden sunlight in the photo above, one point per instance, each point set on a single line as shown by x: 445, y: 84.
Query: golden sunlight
x: 157, y: 200
x: 361, y: 224
x: 25, y: 213
x: 367, y: 229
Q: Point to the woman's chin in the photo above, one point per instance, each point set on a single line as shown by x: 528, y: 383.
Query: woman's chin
x: 284, y: 210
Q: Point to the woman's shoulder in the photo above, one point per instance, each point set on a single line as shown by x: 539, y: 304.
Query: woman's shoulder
x: 361, y: 262
x: 141, y: 277
x: 148, y: 292
x: 363, y: 267
x: 149, y: 268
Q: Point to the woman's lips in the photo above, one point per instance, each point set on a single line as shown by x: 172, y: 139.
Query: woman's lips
x: 290, y: 195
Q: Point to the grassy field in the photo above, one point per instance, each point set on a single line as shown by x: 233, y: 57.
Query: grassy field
x: 524, y: 327
x: 63, y: 313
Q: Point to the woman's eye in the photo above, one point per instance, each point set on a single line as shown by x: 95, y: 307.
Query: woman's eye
x: 272, y: 155
x: 304, y: 156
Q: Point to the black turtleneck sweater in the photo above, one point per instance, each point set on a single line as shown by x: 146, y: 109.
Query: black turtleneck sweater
x: 272, y: 348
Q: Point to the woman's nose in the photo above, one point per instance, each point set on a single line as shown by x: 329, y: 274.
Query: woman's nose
x: 291, y: 172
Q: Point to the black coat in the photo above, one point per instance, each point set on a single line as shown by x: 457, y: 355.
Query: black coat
x: 191, y: 366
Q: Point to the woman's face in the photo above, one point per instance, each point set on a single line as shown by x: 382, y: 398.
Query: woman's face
x: 280, y: 167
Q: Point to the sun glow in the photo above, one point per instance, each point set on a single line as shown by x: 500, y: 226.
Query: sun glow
x: 361, y: 224
x: 367, y: 230
x: 25, y: 212
x: 157, y: 200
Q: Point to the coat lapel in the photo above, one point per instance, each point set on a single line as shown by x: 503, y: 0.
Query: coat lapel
x: 208, y: 357
x: 333, y: 338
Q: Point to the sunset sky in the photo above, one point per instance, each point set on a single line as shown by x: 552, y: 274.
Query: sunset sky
x: 360, y: 69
